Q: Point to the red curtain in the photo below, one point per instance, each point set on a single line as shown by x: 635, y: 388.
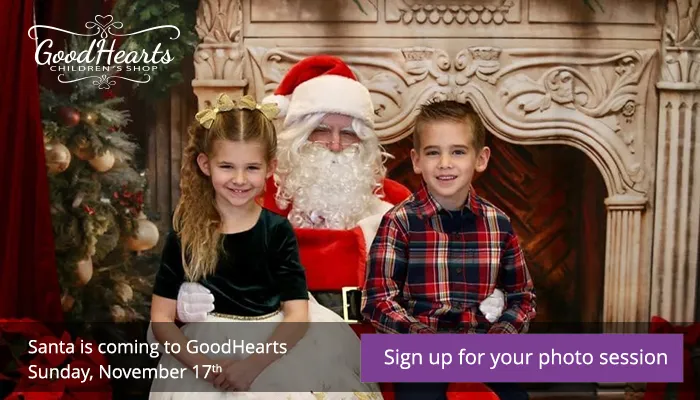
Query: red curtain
x: 28, y: 278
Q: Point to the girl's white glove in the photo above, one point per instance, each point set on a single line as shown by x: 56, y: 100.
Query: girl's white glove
x: 194, y: 301
x: 492, y: 306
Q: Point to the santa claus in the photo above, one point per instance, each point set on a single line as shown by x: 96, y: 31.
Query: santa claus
x: 331, y: 179
x: 330, y: 183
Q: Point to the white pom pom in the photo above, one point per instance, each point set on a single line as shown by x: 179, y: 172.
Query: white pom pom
x: 282, y: 103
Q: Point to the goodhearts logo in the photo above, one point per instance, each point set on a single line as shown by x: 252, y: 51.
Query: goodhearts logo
x: 101, y: 55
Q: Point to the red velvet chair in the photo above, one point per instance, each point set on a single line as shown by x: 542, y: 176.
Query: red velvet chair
x: 456, y: 391
x: 688, y: 389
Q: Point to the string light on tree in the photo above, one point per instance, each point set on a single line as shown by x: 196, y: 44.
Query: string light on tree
x: 91, y: 118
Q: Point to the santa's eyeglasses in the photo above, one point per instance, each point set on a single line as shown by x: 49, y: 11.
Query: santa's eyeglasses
x: 325, y: 138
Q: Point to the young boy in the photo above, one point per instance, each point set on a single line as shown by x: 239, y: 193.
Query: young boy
x: 443, y: 250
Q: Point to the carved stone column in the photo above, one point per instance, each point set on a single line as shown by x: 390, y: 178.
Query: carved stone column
x: 677, y: 215
x: 220, y: 58
x: 677, y: 202
x: 624, y: 253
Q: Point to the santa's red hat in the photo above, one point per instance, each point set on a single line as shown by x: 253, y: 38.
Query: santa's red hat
x: 322, y: 84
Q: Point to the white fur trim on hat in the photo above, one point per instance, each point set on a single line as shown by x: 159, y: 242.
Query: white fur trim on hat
x: 331, y: 94
x: 282, y: 103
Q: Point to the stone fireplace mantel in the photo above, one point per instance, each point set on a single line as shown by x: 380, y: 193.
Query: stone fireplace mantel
x: 622, y: 86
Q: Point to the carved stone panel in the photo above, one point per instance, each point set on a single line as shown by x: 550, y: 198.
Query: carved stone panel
x: 453, y: 12
x: 617, y: 12
x: 592, y: 100
x: 313, y: 11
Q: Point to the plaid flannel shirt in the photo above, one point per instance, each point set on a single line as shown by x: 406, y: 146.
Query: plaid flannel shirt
x: 430, y: 268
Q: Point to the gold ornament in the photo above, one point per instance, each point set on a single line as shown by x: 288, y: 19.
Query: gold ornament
x: 84, y: 271
x: 124, y: 292
x: 83, y: 150
x: 119, y: 314
x: 67, y: 302
x: 146, y: 235
x: 57, y: 157
x: 103, y: 163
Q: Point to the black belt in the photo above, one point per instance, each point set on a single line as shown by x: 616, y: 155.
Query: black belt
x: 347, y: 303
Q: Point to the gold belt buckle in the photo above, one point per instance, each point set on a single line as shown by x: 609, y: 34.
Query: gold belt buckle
x: 346, y: 305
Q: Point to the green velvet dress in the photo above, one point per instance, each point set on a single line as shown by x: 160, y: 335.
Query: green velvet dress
x: 258, y: 269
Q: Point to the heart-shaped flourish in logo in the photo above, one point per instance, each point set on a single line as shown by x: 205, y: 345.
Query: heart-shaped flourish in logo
x: 102, y: 23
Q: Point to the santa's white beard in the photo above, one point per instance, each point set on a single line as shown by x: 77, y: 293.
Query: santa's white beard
x: 328, y: 190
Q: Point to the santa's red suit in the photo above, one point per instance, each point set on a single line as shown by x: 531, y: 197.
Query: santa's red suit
x: 334, y: 259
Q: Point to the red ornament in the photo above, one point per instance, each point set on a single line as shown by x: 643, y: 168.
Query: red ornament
x: 88, y: 209
x: 69, y: 116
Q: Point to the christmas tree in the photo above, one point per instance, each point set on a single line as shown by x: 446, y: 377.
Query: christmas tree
x: 97, y: 205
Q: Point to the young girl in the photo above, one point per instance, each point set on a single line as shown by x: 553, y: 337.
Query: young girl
x: 248, y: 258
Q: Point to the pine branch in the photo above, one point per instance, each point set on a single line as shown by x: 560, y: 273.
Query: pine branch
x: 143, y: 14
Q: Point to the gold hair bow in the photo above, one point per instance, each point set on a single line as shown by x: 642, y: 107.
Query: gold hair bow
x: 268, y: 109
x: 207, y: 117
x: 224, y: 103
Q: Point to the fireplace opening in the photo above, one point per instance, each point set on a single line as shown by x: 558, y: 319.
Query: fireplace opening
x: 554, y: 196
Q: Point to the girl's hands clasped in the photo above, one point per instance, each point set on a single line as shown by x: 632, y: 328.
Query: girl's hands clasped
x: 237, y: 375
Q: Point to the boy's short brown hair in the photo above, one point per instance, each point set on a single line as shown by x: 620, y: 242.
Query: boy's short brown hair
x: 449, y: 110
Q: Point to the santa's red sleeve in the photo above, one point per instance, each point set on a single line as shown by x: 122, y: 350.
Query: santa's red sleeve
x: 334, y: 259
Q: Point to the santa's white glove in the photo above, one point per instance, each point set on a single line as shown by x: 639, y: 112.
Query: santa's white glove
x: 492, y: 306
x: 194, y: 301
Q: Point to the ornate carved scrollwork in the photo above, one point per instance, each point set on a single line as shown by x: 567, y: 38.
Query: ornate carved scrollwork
x: 221, y: 54
x: 593, y: 91
x: 682, y: 42
x: 219, y: 59
x: 219, y: 22
x: 588, y: 99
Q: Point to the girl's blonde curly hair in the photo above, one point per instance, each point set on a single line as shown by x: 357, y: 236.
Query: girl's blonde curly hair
x: 196, y: 220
